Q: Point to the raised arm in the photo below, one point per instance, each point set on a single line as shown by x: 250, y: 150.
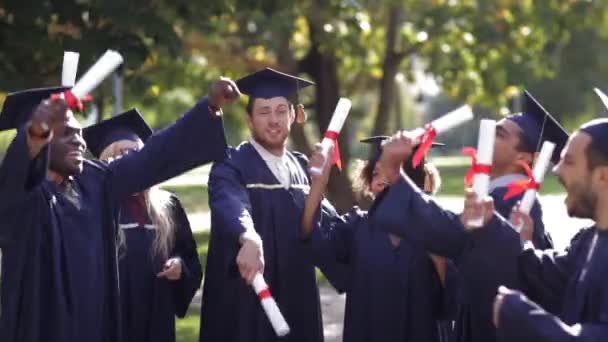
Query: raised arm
x: 406, y: 211
x: 519, y: 319
x: 26, y: 162
x: 195, y: 139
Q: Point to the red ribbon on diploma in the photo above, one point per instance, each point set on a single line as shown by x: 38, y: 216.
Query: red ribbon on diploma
x: 475, y: 168
x: 520, y: 186
x: 425, y: 145
x: 71, y: 100
x: 265, y: 293
x: 334, y: 136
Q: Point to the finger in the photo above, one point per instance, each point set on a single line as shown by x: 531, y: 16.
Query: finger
x: 503, y: 290
x: 162, y: 274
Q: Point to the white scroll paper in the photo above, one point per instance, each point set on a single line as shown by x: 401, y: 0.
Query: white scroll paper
x: 540, y: 168
x: 448, y: 121
x: 270, y: 307
x: 485, y: 153
x: 70, y: 68
x: 97, y: 73
x: 335, y: 125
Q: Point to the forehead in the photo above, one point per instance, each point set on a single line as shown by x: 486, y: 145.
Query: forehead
x: 577, y: 144
x: 509, y: 126
x: 71, y: 121
x: 271, y: 102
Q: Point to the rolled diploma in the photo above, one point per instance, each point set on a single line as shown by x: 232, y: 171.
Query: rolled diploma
x: 335, y: 125
x: 448, y: 121
x: 70, y: 68
x: 270, y: 307
x: 97, y: 73
x: 540, y: 168
x: 485, y: 153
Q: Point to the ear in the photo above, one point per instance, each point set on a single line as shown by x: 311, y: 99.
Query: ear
x: 527, y: 157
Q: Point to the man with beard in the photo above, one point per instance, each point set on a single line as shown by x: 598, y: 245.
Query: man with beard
x: 257, y: 198
x: 485, y: 258
x: 59, y: 213
x: 580, y: 275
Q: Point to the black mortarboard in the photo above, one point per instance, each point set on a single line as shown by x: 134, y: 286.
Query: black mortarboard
x: 598, y: 129
x: 19, y: 106
x: 269, y: 83
x: 129, y: 125
x: 538, y: 125
x: 376, y: 143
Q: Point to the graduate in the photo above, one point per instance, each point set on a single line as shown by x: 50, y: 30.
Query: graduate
x: 518, y: 138
x: 394, y: 292
x: 578, y: 276
x: 485, y: 258
x: 59, y: 212
x: 256, y: 197
x: 159, y: 268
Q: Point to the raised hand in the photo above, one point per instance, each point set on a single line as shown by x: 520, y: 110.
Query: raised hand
x: 523, y: 221
x: 475, y: 208
x: 47, y: 116
x: 323, y: 162
x: 396, y: 150
x: 222, y: 92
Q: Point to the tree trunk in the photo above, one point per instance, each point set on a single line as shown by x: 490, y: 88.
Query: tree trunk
x: 390, y: 67
x: 322, y: 66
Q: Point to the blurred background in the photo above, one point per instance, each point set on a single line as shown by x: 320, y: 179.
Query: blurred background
x: 401, y: 62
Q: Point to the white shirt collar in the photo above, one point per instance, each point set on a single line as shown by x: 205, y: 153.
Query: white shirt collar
x: 265, y: 154
x: 505, y: 180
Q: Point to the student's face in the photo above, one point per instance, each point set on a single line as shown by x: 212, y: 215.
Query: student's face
x: 575, y: 176
x: 506, y: 155
x: 120, y: 149
x: 67, y: 147
x: 378, y: 183
x: 270, y: 121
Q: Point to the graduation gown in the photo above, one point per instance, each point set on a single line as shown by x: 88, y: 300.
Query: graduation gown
x: 60, y: 272
x: 580, y: 276
x: 393, y: 293
x: 149, y: 303
x: 244, y: 194
x: 486, y: 258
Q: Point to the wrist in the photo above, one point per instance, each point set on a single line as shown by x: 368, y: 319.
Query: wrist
x: 250, y: 236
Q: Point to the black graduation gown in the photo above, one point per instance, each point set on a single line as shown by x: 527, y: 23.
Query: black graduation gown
x: 60, y: 274
x: 149, y: 303
x: 244, y: 194
x: 580, y: 276
x: 393, y: 293
x: 486, y: 258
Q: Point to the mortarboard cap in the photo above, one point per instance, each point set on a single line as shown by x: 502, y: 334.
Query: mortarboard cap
x: 19, y: 106
x: 538, y: 125
x: 598, y: 129
x: 269, y: 83
x: 129, y: 125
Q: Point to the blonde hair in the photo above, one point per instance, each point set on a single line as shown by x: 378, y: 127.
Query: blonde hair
x: 159, y: 206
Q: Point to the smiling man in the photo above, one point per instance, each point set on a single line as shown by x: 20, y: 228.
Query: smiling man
x: 579, y: 276
x: 59, y: 213
x: 257, y: 198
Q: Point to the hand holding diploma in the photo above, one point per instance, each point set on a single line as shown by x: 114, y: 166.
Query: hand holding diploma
x: 532, y: 184
x: 333, y: 131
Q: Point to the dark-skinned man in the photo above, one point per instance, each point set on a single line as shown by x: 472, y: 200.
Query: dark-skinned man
x: 59, y: 212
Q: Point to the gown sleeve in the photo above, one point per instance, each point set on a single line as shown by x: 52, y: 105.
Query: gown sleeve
x: 524, y: 320
x: 20, y: 175
x: 229, y: 202
x: 545, y: 274
x: 185, y: 248
x: 194, y: 139
x: 404, y: 210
